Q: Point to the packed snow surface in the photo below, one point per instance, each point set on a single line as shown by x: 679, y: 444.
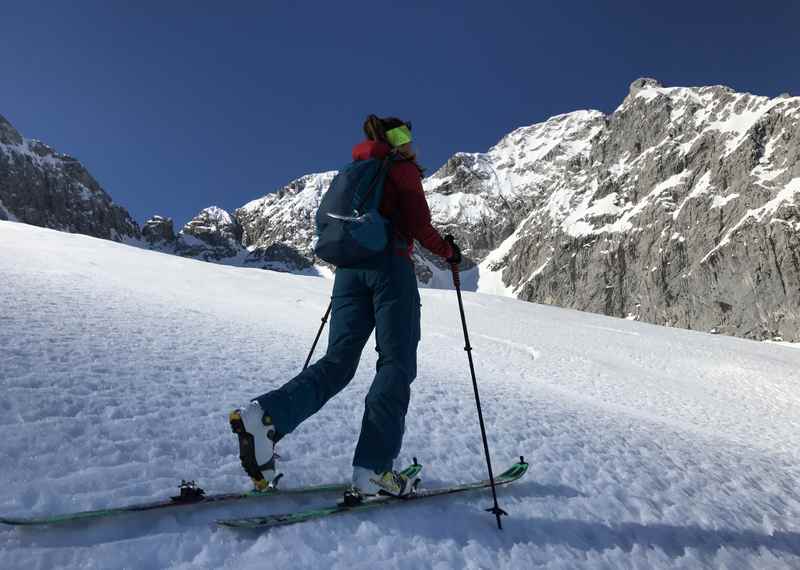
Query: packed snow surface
x: 649, y: 447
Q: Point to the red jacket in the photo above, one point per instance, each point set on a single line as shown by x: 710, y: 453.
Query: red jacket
x: 404, y: 202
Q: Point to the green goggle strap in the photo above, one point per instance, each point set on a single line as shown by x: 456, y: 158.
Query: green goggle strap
x: 398, y: 136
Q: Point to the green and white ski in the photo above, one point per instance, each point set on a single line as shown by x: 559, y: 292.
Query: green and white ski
x: 190, y: 494
x: 510, y: 475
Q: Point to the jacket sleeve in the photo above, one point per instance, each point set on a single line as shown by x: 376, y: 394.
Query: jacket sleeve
x: 415, y: 211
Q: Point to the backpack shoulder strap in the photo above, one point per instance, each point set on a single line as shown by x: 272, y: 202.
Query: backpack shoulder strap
x: 379, y: 176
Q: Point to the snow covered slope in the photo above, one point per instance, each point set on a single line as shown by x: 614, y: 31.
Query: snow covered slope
x: 650, y: 447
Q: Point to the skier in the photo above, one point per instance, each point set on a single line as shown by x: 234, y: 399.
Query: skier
x: 379, y: 293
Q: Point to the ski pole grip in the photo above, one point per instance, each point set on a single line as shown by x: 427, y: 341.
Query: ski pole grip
x: 454, y: 259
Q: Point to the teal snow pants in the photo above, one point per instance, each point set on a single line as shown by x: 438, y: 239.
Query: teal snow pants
x: 380, y: 294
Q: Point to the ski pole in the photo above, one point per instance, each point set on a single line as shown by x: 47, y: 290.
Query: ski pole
x: 495, y: 510
x: 319, y: 333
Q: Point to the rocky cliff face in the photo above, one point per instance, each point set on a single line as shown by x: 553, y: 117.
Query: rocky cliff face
x: 42, y: 187
x: 680, y: 208
x: 483, y: 198
x: 279, y: 228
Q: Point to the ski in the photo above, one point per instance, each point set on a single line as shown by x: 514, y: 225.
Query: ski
x: 190, y: 494
x: 512, y: 474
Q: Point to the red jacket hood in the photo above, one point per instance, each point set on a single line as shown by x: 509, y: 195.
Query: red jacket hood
x: 371, y: 149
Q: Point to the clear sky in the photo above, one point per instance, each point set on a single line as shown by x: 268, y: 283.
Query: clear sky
x: 176, y: 105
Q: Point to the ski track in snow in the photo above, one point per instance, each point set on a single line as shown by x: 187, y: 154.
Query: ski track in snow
x: 656, y: 448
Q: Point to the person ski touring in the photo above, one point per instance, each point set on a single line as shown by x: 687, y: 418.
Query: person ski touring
x: 379, y: 292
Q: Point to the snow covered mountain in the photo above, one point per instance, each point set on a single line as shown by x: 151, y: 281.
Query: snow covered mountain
x: 42, y: 187
x: 216, y: 236
x: 680, y: 208
x: 212, y: 235
x: 650, y: 447
x: 280, y: 226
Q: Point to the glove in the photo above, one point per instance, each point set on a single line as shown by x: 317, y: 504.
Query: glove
x: 454, y: 259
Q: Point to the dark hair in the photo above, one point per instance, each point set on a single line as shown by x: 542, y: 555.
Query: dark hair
x: 375, y: 128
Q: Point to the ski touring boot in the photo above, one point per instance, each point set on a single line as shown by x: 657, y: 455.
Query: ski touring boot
x: 256, y: 444
x: 368, y: 484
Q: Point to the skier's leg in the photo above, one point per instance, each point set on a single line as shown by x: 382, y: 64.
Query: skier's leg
x: 397, y: 316
x: 352, y: 321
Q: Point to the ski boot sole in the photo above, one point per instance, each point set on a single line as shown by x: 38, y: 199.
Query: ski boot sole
x: 247, y: 452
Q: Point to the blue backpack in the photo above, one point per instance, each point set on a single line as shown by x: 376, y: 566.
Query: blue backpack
x: 349, y: 227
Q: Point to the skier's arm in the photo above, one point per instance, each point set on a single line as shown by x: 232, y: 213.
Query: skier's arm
x: 415, y: 211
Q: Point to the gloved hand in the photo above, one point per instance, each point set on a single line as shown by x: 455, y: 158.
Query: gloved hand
x: 456, y: 257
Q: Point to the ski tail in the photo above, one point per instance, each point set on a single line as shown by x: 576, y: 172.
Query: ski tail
x: 413, y: 470
x: 513, y: 473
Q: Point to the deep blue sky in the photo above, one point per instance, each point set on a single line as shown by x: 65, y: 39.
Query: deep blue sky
x: 175, y: 106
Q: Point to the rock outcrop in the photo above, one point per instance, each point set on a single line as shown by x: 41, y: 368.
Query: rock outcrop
x: 41, y: 187
x: 212, y: 235
x: 158, y: 230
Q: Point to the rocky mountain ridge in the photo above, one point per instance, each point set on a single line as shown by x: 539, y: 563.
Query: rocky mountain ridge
x: 679, y: 208
x: 255, y: 235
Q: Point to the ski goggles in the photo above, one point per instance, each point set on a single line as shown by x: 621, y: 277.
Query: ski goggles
x: 399, y: 136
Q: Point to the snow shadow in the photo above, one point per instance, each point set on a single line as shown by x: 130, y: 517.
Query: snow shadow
x: 478, y: 526
x: 129, y: 526
x: 673, y: 540
x: 533, y: 489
